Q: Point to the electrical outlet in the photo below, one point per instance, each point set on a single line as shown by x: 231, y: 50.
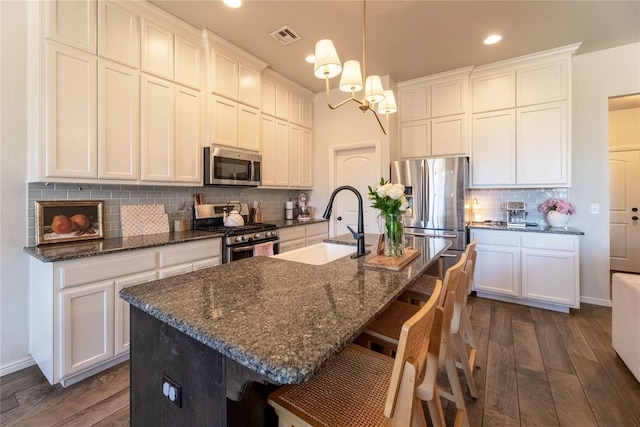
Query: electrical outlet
x: 595, y: 208
x: 172, y: 390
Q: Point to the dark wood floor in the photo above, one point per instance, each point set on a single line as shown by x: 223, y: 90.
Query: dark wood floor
x: 536, y: 368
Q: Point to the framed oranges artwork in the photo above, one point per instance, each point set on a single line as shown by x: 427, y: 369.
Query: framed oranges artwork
x: 68, y: 221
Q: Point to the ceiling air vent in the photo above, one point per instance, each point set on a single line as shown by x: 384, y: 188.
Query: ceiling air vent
x: 286, y: 35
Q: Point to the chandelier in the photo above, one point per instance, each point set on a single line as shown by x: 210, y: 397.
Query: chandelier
x: 327, y: 65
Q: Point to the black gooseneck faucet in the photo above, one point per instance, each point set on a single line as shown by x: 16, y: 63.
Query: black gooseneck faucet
x: 359, y: 235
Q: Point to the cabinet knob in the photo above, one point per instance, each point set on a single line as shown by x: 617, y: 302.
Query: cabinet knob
x: 339, y: 218
x: 634, y: 209
x: 635, y: 218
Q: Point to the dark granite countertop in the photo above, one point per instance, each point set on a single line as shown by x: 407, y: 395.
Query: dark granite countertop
x: 281, y: 223
x: 528, y: 229
x: 279, y: 318
x: 65, y: 251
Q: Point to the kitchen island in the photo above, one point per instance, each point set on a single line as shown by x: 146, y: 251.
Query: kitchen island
x: 259, y: 320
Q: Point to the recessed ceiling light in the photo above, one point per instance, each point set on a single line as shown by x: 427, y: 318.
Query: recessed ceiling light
x: 493, y: 39
x: 233, y: 3
x: 310, y: 59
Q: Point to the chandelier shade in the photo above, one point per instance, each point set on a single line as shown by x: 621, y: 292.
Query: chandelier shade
x: 388, y: 106
x: 327, y: 64
x: 351, y: 78
x: 373, y: 91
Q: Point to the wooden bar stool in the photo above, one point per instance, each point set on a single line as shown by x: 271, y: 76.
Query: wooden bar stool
x: 420, y: 291
x: 381, y: 332
x: 360, y: 387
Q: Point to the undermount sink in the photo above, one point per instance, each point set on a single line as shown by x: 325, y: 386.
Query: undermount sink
x: 318, y: 254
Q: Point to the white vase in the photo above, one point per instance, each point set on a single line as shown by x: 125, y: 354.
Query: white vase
x: 557, y: 219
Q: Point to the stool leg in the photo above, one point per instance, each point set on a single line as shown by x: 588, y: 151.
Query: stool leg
x: 464, y: 360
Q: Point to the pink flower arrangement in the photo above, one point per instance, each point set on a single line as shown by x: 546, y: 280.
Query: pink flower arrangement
x: 558, y: 205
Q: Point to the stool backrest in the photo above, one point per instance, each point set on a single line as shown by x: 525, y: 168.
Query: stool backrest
x: 412, y: 354
x: 472, y: 253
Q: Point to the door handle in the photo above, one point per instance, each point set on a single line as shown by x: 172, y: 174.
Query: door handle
x: 339, y: 218
x: 634, y: 209
x: 635, y: 218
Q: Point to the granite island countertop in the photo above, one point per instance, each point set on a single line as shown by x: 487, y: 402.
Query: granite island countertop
x: 66, y: 251
x: 528, y: 229
x: 281, y: 319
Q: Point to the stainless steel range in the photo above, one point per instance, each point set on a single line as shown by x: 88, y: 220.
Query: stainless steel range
x: 238, y: 242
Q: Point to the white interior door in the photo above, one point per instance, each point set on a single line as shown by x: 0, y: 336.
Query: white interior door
x: 358, y: 167
x: 624, y: 193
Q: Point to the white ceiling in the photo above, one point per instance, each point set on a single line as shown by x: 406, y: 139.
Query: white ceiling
x: 409, y: 39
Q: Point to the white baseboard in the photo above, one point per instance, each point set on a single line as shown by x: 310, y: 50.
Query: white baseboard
x: 16, y: 365
x: 596, y: 301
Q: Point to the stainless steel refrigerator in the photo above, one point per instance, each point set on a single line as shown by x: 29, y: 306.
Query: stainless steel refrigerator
x: 437, y: 190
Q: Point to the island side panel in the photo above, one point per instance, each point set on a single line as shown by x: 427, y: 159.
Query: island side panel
x: 158, y: 349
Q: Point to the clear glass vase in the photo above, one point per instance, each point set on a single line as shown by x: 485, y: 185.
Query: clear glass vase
x: 393, y: 235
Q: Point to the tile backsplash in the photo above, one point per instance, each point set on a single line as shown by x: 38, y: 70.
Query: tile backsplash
x: 173, y: 198
x: 492, y: 202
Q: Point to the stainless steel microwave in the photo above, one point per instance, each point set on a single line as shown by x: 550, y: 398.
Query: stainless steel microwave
x: 229, y: 167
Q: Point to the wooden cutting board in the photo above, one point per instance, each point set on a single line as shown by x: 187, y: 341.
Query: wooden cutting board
x: 393, y: 263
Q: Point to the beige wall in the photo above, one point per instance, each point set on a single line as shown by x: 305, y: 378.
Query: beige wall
x: 14, y: 278
x: 346, y: 126
x: 624, y: 129
x: 596, y: 77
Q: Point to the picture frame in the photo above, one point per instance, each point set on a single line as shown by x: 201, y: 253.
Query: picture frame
x: 69, y: 221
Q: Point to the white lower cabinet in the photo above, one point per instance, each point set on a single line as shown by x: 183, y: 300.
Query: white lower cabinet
x: 300, y: 236
x: 121, y: 308
x: 536, y: 269
x: 78, y: 325
x: 86, y: 332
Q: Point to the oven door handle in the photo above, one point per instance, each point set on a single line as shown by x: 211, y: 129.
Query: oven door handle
x: 250, y: 248
x: 243, y: 249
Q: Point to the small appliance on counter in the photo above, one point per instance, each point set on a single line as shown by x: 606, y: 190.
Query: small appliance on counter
x: 516, y: 214
x: 304, y: 211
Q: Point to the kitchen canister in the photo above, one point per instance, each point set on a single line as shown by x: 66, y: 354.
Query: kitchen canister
x: 288, y: 210
x: 180, y: 225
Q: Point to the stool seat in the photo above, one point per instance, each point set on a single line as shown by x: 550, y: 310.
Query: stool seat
x: 365, y: 374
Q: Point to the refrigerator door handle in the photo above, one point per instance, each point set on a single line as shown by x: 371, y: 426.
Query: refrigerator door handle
x: 446, y: 255
x: 446, y: 236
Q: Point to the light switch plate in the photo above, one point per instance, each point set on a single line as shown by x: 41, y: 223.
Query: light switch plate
x: 595, y: 208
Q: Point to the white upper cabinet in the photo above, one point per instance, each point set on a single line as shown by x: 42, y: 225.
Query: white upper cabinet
x: 449, y: 97
x: 295, y: 155
x: 449, y: 135
x: 232, y: 72
x: 188, y: 62
x: 224, y: 121
x: 493, y: 158
x: 306, y: 161
x: 157, y: 50
x: 118, y: 121
x: 268, y: 93
x: 493, y: 91
x: 415, y: 103
x: 415, y: 137
x: 70, y: 109
x: 224, y: 74
x: 248, y: 85
x: 434, y: 115
x: 282, y: 102
x: 72, y: 23
x: 248, y: 128
x: 118, y: 34
x: 542, y: 146
x: 541, y: 83
x: 157, y: 131
x: 522, y: 107
x: 188, y: 135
